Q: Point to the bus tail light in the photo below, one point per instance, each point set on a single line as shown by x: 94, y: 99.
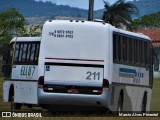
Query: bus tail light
x: 105, y: 83
x: 41, y: 81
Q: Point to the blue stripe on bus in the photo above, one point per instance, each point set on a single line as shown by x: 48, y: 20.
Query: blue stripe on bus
x: 126, y: 70
x: 131, y: 71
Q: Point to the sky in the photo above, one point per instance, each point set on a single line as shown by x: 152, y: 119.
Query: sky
x: 81, y: 3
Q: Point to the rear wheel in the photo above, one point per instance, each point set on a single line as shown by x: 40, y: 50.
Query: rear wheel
x: 15, y: 106
x: 144, y: 102
x: 120, y: 103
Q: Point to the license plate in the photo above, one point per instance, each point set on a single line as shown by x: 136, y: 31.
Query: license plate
x: 75, y: 91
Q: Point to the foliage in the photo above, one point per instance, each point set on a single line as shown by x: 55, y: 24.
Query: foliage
x: 147, y: 6
x: 35, y: 30
x: 147, y: 21
x: 120, y: 13
x: 11, y: 23
x: 31, y: 8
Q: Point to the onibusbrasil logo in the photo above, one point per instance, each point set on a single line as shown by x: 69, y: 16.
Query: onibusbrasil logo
x: 21, y: 114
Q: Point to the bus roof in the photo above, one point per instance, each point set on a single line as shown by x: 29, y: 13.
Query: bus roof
x: 129, y: 33
x: 96, y: 24
x: 26, y: 39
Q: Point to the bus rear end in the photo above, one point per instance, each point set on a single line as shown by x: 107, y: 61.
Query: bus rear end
x: 72, y: 64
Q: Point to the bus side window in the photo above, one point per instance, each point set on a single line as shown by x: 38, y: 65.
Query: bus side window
x: 118, y: 47
x: 28, y: 52
x: 140, y: 52
x: 20, y: 52
x: 135, y: 51
x: 155, y: 62
x: 130, y: 50
x: 16, y: 54
x: 143, y: 61
x: 24, y: 53
x: 114, y: 48
x: 122, y: 48
x: 33, y: 53
x: 37, y: 52
x: 125, y: 49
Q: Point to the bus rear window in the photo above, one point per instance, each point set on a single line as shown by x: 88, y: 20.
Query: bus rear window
x: 26, y: 52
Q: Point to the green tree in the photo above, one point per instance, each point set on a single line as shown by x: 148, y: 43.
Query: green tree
x: 147, y: 21
x: 120, y: 13
x: 12, y: 23
x: 35, y: 30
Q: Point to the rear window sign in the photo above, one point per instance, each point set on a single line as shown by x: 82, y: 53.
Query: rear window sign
x: 47, y: 68
x: 62, y: 34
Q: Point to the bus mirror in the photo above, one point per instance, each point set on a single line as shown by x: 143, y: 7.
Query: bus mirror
x: 4, y: 60
x: 5, y: 68
x: 156, y: 64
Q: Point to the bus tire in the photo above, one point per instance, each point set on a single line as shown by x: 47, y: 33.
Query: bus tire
x: 144, y: 102
x: 15, y: 106
x: 120, y: 103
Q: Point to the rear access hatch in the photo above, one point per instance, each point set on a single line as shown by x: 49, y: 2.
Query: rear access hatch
x: 73, y: 74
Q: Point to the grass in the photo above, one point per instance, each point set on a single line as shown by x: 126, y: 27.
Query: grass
x: 155, y: 106
x: 155, y: 102
x: 89, y: 118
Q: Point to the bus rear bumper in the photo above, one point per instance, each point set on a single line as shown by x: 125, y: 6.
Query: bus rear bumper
x: 73, y: 99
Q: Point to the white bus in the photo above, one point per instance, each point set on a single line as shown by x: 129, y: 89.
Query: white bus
x: 81, y: 64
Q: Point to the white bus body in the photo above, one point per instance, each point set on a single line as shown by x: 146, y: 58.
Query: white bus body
x: 79, y: 64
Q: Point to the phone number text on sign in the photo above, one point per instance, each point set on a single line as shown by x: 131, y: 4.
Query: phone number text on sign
x: 61, y: 34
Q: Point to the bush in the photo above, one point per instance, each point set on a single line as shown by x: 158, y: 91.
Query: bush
x: 1, y: 74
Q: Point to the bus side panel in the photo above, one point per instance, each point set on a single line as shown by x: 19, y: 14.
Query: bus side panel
x: 133, y: 81
x: 26, y: 92
x: 6, y: 88
x: 114, y: 96
x: 131, y: 75
x: 132, y: 97
x: 135, y: 95
x: 25, y: 79
x: 149, y: 98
